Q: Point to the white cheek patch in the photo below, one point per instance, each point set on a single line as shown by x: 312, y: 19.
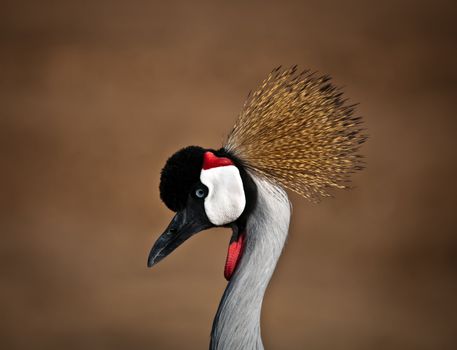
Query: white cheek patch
x: 226, y: 199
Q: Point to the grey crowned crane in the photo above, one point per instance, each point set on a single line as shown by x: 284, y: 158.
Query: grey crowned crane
x: 296, y: 132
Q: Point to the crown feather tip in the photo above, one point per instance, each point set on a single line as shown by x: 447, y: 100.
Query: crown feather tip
x: 298, y: 130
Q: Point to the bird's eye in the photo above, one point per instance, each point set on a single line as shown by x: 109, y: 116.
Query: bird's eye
x: 200, y: 193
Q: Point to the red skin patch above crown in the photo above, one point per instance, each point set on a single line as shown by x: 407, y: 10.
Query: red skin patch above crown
x: 212, y: 161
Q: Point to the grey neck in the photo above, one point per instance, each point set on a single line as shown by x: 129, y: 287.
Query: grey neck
x: 237, y: 322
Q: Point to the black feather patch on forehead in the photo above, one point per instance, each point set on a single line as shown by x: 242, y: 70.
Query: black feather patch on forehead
x: 180, y: 173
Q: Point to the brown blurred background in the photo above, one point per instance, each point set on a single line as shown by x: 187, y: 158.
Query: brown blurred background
x: 95, y: 95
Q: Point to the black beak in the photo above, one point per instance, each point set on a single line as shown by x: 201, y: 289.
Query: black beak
x: 184, y: 224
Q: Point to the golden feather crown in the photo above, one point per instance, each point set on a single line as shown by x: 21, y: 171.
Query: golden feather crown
x: 296, y: 130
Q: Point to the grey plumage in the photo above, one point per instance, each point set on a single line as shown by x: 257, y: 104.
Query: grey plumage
x: 237, y: 322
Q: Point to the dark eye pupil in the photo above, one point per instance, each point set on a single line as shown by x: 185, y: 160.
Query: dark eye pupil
x: 200, y: 193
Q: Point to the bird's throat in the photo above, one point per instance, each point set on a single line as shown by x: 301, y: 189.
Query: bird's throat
x: 253, y: 256
x: 235, y: 250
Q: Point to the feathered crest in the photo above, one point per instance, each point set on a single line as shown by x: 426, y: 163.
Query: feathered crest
x: 296, y: 130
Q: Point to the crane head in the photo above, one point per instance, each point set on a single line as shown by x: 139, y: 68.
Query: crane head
x: 206, y: 188
x: 295, y: 131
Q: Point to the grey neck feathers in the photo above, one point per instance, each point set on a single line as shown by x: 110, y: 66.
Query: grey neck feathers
x: 237, y: 322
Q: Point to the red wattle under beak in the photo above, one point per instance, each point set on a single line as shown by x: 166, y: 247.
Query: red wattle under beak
x: 234, y: 253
